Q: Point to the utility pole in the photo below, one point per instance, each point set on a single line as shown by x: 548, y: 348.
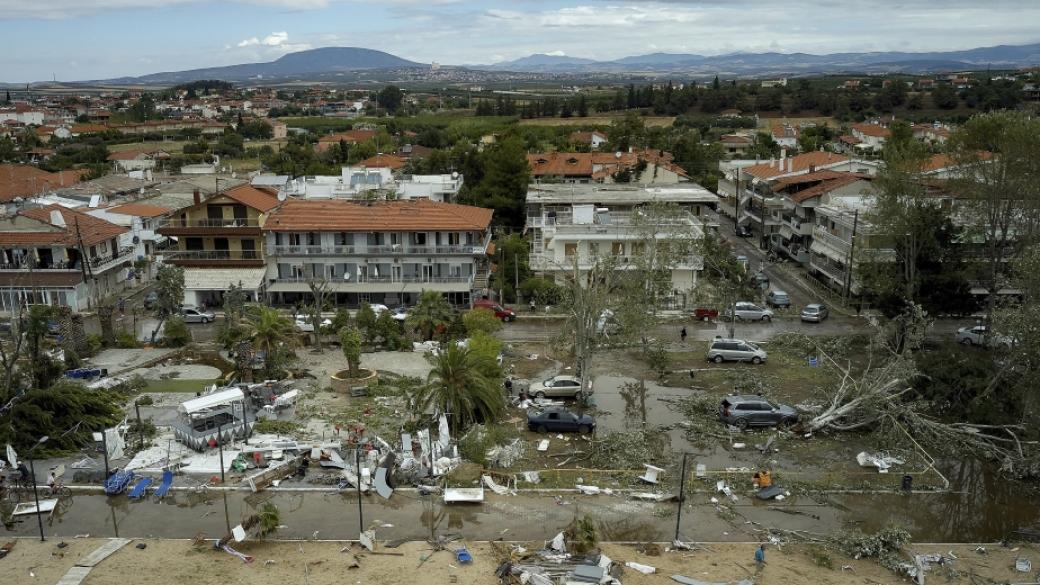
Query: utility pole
x: 682, y: 493
x: 516, y: 277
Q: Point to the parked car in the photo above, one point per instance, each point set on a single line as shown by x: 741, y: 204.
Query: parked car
x: 303, y: 323
x: 735, y: 350
x: 560, y: 420
x: 378, y: 308
x: 815, y: 313
x: 196, y: 315
x: 504, y: 313
x: 400, y: 314
x: 151, y: 300
x: 744, y: 232
x: 749, y: 410
x: 557, y: 386
x: 705, y: 314
x: 778, y: 299
x: 977, y: 336
x: 746, y: 311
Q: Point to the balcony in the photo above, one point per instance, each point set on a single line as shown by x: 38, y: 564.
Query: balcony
x: 548, y: 262
x: 204, y: 258
x: 103, y: 263
x: 392, y: 250
x: 832, y: 241
x: 174, y: 226
x: 385, y: 279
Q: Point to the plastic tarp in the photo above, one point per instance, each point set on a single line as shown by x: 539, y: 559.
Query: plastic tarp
x: 222, y: 398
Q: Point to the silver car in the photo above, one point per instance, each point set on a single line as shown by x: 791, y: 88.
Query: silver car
x: 815, y: 313
x: 778, y: 299
x: 735, y: 350
x: 748, y: 312
x: 557, y: 386
x: 197, y: 315
x: 978, y: 335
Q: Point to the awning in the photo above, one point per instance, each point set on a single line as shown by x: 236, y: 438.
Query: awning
x: 223, y: 278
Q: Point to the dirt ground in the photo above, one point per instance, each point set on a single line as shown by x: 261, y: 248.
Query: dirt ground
x: 317, y: 563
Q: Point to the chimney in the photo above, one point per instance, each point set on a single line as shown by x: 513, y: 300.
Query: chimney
x: 790, y: 164
x: 57, y: 219
x: 772, y: 163
x: 197, y: 197
x: 783, y: 154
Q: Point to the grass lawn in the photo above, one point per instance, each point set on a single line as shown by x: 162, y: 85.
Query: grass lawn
x: 595, y: 121
x: 170, y: 146
x: 177, y: 385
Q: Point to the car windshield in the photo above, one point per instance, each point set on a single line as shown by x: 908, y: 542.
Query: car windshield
x: 751, y: 345
x: 812, y: 309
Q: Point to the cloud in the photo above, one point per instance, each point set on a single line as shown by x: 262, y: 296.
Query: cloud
x: 249, y: 42
x: 278, y: 41
x: 556, y: 54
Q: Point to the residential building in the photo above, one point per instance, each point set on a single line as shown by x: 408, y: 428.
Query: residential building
x: 871, y: 136
x: 386, y: 252
x: 842, y: 240
x: 381, y: 161
x: 53, y: 255
x: 782, y: 82
x: 25, y: 181
x: 645, y: 167
x: 219, y: 243
x: 786, y: 135
x: 349, y: 137
x: 279, y: 129
x: 580, y: 223
x: 137, y: 160
x: 735, y: 145
x: 360, y: 182
x: 141, y: 218
x: 594, y: 139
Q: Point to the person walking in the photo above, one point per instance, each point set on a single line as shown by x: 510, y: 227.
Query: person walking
x: 760, y: 558
x: 682, y: 334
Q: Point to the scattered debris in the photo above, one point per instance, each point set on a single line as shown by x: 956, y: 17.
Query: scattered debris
x: 531, y: 477
x: 689, y: 581
x: 644, y: 569
x: 543, y: 445
x: 882, y: 461
x: 651, y: 473
x: 495, y: 487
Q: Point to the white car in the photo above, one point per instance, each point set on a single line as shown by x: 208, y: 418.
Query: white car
x: 399, y: 314
x: 977, y: 336
x: 303, y: 323
x: 197, y: 315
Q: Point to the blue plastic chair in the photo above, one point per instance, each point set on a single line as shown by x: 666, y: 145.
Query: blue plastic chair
x: 164, y: 487
x: 463, y: 556
x: 140, y: 488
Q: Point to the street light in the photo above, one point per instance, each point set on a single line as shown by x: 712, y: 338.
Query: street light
x: 36, y: 493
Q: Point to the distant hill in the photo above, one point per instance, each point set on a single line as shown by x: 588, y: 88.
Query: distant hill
x: 293, y: 65
x: 772, y: 63
x: 337, y: 63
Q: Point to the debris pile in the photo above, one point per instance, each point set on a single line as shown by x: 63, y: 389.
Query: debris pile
x: 556, y: 563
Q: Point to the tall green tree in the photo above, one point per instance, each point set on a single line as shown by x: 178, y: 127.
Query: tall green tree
x: 390, y: 98
x: 169, y: 284
x: 502, y: 185
x: 273, y: 337
x: 459, y: 386
x: 431, y: 316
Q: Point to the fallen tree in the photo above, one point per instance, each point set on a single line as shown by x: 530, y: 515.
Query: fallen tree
x: 881, y: 396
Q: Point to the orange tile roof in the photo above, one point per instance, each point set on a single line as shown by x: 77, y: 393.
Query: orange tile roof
x: 88, y: 128
x: 826, y: 187
x: 560, y: 164
x: 798, y: 163
x: 391, y: 161
x: 340, y: 215
x: 253, y: 197
x: 872, y: 130
x: 27, y: 181
x: 350, y: 136
x: 139, y: 210
x: 78, y: 227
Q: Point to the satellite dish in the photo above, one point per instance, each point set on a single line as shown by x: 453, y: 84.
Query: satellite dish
x: 282, y: 196
x: 455, y: 175
x: 346, y: 276
x: 617, y: 154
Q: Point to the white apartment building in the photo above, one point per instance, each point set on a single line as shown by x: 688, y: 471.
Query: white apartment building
x: 386, y: 252
x: 378, y: 182
x: 569, y: 223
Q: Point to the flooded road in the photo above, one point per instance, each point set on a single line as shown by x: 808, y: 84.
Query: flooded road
x: 929, y: 517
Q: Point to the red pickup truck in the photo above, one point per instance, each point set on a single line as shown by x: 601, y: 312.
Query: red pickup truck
x: 705, y: 314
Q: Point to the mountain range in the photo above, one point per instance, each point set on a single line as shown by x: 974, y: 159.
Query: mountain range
x: 333, y: 61
x: 999, y: 57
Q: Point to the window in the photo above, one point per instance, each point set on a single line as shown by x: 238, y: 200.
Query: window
x: 453, y: 238
x: 294, y: 239
x: 419, y: 238
x: 570, y: 249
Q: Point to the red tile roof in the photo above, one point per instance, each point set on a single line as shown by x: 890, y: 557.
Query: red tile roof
x: 28, y: 181
x: 253, y: 197
x: 88, y: 128
x: 79, y: 228
x: 391, y: 161
x: 799, y: 163
x: 872, y: 130
x: 298, y: 215
x: 139, y: 210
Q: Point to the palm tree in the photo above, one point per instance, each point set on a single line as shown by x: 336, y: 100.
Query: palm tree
x: 271, y: 333
x: 431, y: 316
x: 460, y: 385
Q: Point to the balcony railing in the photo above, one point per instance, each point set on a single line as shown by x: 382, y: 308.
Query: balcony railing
x: 398, y: 249
x: 175, y: 222
x: 174, y: 255
x: 823, y: 236
x: 384, y: 279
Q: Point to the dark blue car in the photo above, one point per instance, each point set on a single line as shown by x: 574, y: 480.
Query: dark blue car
x: 560, y: 420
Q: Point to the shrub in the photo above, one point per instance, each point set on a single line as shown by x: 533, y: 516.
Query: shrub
x: 127, y: 340
x: 176, y: 333
x: 481, y: 320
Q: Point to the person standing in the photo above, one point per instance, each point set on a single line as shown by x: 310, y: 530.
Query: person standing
x: 682, y: 334
x: 760, y: 558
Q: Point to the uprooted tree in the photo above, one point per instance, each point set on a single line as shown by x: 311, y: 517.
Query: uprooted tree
x: 882, y: 396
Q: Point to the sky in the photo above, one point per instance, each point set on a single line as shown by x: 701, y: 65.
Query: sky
x: 96, y: 39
